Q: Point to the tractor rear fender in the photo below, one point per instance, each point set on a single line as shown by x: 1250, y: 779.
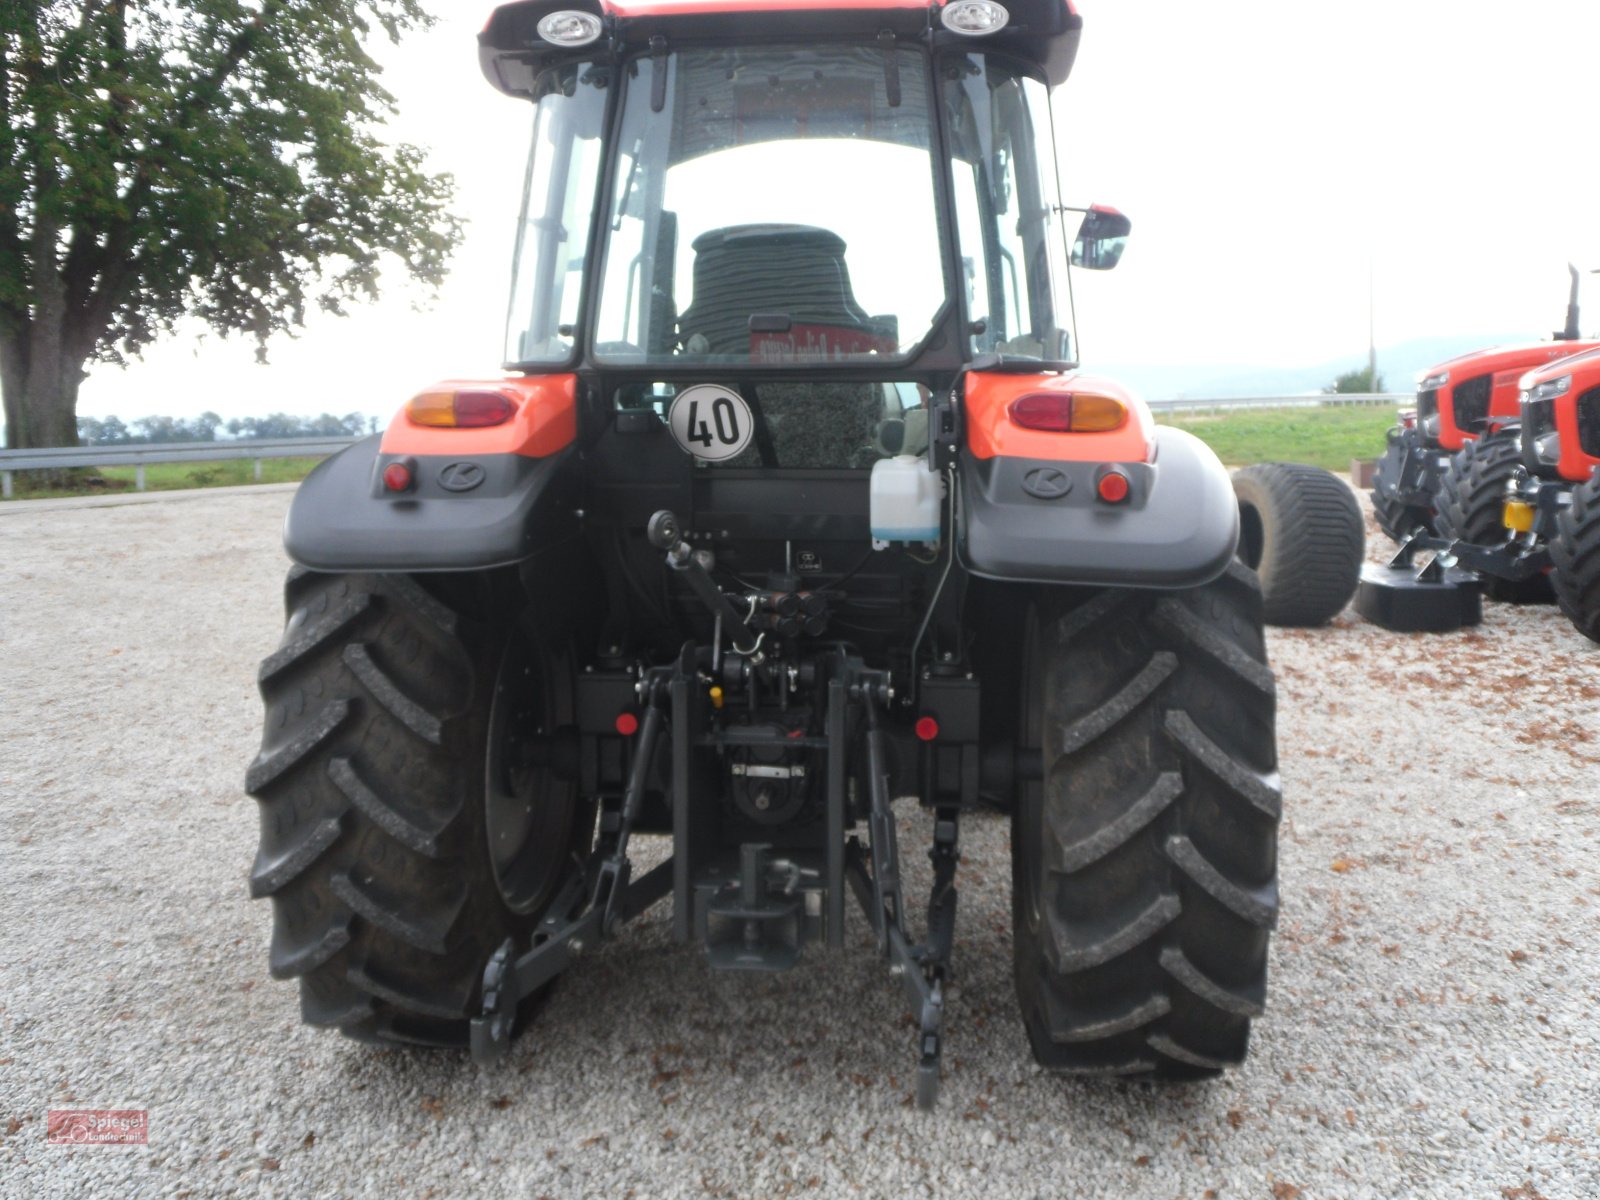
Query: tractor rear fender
x: 1032, y: 506
x: 477, y: 497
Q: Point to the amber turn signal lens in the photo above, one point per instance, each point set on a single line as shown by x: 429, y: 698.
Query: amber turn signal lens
x: 1097, y: 414
x: 461, y: 410
x: 1068, y: 412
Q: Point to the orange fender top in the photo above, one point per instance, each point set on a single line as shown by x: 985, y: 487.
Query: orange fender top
x: 545, y: 420
x: 991, y: 432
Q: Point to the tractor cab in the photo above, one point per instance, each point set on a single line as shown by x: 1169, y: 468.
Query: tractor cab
x: 864, y: 193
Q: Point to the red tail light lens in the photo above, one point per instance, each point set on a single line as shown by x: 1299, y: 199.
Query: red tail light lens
x: 1113, y: 487
x: 475, y: 410
x: 1049, y: 413
x: 398, y: 477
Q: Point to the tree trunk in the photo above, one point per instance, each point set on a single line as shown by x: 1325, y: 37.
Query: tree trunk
x: 13, y: 378
x: 50, y: 401
x: 40, y: 379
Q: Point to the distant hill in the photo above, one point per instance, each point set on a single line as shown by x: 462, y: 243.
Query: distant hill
x: 1397, y: 364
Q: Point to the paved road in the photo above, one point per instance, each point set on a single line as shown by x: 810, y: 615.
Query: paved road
x: 1432, y: 1028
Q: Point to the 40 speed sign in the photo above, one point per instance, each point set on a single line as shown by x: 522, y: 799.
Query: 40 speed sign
x: 711, y: 422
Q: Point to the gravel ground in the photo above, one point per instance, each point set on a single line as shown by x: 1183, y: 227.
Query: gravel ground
x: 1432, y: 1029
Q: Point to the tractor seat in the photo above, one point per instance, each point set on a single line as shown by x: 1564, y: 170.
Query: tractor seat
x: 796, y: 271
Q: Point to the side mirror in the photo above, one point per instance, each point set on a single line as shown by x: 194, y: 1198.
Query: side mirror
x: 1101, y: 239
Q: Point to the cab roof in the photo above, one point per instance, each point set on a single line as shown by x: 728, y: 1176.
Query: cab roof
x: 513, y: 55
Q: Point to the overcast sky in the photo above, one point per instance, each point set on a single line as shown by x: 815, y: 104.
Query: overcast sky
x: 1269, y: 153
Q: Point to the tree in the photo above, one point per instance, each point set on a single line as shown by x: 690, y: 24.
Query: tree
x: 1357, y: 383
x: 216, y: 159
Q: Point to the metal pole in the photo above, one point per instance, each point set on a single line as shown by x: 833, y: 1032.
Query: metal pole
x: 1372, y: 327
x: 5, y: 484
x: 138, y: 477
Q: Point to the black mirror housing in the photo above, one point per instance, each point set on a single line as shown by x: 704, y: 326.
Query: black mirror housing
x: 1102, y: 238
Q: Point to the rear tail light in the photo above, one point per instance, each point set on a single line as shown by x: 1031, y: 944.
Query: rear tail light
x: 400, y: 475
x: 1112, y: 487
x: 475, y: 409
x: 1066, y: 412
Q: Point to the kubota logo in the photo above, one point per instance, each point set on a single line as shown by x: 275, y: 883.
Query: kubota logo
x: 461, y: 476
x: 1047, y: 483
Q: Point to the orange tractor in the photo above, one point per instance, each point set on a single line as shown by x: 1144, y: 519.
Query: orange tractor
x: 1469, y: 405
x: 1519, y: 514
x: 792, y: 503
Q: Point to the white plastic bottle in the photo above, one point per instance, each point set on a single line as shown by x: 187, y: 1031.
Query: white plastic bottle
x: 906, y: 492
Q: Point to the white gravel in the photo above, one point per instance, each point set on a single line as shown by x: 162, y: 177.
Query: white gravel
x: 1432, y: 1027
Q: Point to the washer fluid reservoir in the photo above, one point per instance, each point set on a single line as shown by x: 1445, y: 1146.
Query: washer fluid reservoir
x: 906, y: 493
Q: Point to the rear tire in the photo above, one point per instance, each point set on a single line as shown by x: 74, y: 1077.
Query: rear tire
x: 1575, y: 550
x: 386, y: 768
x: 1301, y: 532
x: 1396, y: 517
x: 1145, y: 862
x: 1472, y: 498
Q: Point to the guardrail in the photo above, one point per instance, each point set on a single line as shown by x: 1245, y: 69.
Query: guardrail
x: 1395, y: 399
x: 141, y: 454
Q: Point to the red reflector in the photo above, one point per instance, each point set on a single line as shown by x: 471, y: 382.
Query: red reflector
x: 927, y: 728
x: 1050, y: 412
x: 475, y: 410
x: 397, y: 477
x: 1113, y: 487
x: 627, y: 724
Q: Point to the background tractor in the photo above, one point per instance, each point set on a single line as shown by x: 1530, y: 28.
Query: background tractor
x: 792, y: 502
x: 1538, y: 527
x: 1458, y: 446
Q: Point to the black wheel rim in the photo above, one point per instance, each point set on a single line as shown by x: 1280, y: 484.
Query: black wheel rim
x: 529, y: 808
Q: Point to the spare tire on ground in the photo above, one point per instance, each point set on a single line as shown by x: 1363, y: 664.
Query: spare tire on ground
x: 1301, y: 531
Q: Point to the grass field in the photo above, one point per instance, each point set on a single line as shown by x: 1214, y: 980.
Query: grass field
x: 167, y: 477
x: 1323, y: 437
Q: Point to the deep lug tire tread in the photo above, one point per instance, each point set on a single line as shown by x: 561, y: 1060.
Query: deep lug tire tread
x: 1155, y: 902
x: 1472, y: 497
x: 1575, y: 551
x: 373, y: 848
x: 1309, y: 544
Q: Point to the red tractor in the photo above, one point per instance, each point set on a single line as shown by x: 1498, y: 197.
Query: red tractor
x: 1556, y: 499
x: 1536, y: 524
x: 1468, y: 406
x: 791, y: 503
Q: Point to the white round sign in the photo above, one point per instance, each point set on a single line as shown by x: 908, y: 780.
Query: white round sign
x: 711, y: 422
